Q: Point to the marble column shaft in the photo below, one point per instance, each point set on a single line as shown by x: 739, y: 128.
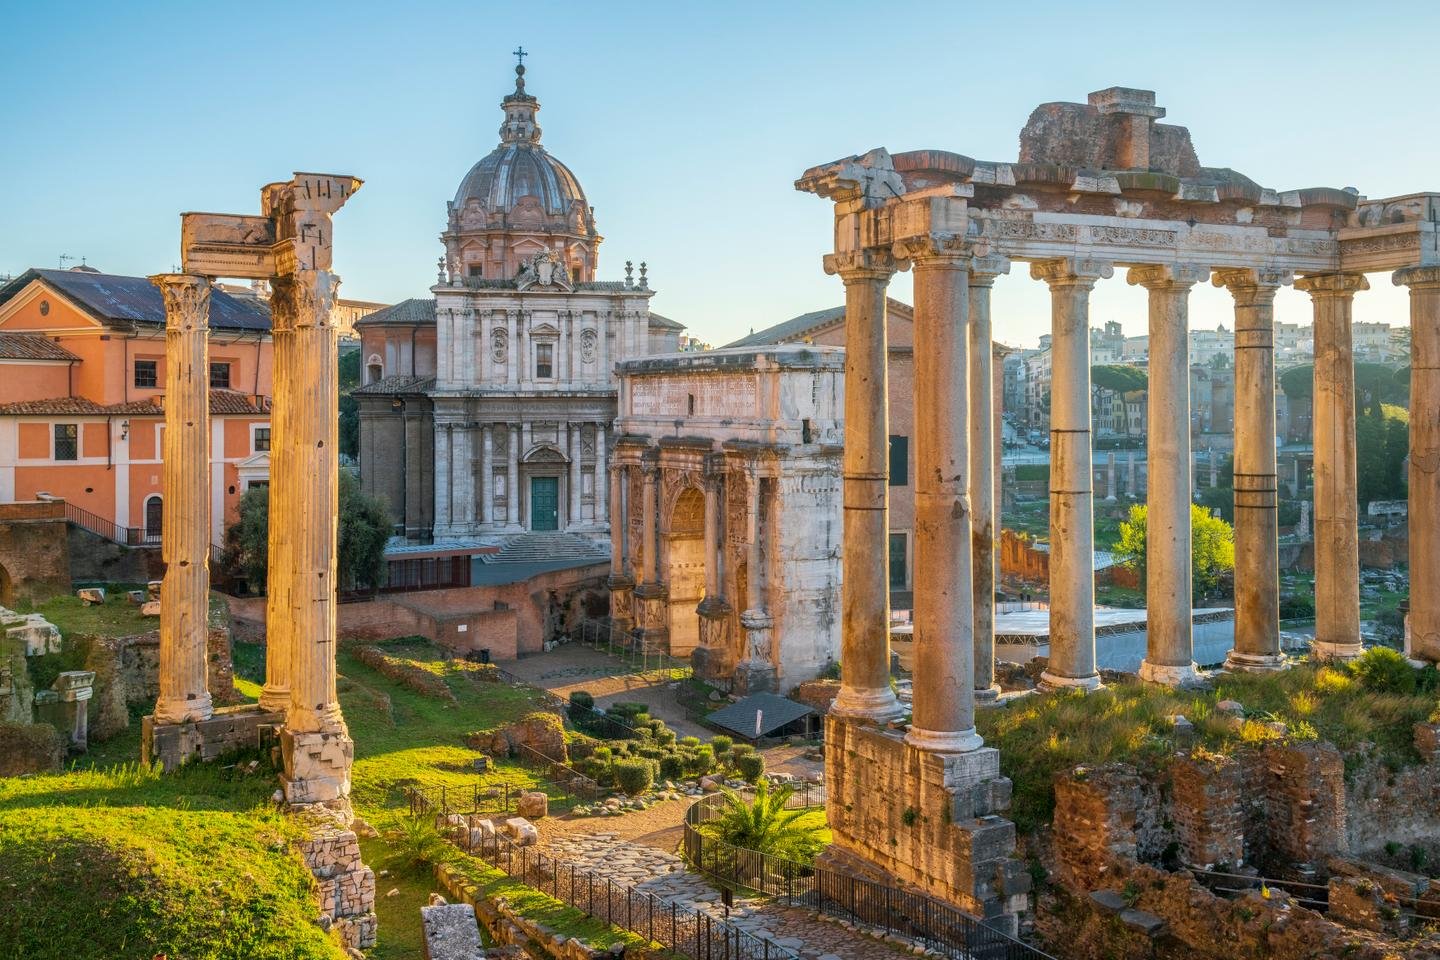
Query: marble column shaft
x: 1072, y: 519
x: 279, y: 620
x: 1169, y: 641
x: 185, y: 523
x: 314, y: 419
x: 602, y: 476
x: 944, y: 675
x: 984, y: 459
x: 486, y: 487
x: 712, y: 536
x: 649, y: 551
x: 618, y: 559
x: 1337, y: 535
x: 865, y: 578
x: 512, y: 477
x: 1424, y: 284
x: 1257, y: 528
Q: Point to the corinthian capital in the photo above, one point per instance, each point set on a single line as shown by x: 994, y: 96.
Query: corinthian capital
x: 868, y: 263
x: 1417, y: 277
x: 187, y: 300
x: 1163, y: 276
x: 986, y: 267
x: 938, y: 248
x: 1252, y: 285
x: 313, y: 297
x: 1071, y: 271
x: 1330, y: 285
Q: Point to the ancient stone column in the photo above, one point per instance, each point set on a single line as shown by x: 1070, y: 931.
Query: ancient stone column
x: 756, y: 672
x: 185, y: 524
x: 1072, y: 520
x: 1169, y: 646
x: 575, y: 481
x: 984, y: 455
x: 512, y: 478
x: 1257, y: 528
x: 487, y: 474
x: 602, y: 471
x: 316, y: 744
x: 1424, y: 632
x: 651, y: 593
x: 280, y: 501
x: 944, y: 614
x: 620, y: 583
x: 865, y: 559
x: 1337, y: 535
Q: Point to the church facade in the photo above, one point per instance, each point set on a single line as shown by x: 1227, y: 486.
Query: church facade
x: 488, y: 410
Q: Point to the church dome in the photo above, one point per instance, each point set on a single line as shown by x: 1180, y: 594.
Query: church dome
x: 515, y: 170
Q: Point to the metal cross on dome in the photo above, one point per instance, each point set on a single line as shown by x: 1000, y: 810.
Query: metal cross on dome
x: 520, y: 55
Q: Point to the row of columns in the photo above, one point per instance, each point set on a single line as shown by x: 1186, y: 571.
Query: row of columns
x: 456, y: 496
x: 953, y: 619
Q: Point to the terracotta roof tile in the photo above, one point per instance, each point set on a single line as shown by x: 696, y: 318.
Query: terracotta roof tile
x: 222, y: 402
x: 32, y: 346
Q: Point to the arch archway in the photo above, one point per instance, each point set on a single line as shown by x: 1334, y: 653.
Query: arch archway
x: 154, y: 518
x: 685, y: 569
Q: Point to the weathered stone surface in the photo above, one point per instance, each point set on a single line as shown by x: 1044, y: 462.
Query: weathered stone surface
x: 540, y: 731
x: 1207, y: 807
x: 30, y: 748
x: 227, y: 730
x: 345, y: 887
x: 533, y: 805
x: 522, y: 831
x: 451, y: 932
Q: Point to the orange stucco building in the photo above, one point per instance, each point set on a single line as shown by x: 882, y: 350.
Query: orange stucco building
x: 82, y: 385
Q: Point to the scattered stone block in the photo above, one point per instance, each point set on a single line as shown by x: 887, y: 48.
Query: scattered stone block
x: 533, y: 805
x: 1109, y: 901
x: 1427, y: 740
x: 451, y: 932
x: 522, y: 831
x: 152, y: 589
x: 151, y: 608
x: 91, y: 595
x: 135, y: 598
x: 1232, y: 707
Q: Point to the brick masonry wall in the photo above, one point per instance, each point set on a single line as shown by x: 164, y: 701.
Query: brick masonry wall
x: 1207, y: 810
x: 344, y: 885
x: 34, y: 553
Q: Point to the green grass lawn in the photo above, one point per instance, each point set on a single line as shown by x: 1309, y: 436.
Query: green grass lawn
x: 1041, y: 736
x: 129, y: 863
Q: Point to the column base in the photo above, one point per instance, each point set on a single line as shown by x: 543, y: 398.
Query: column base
x: 317, y: 768
x: 247, y: 726
x: 1055, y: 682
x: 1321, y: 650
x: 988, y: 694
x: 944, y: 741
x: 275, y: 700
x: 1237, y: 662
x: 1168, y: 674
x: 879, y: 705
x: 754, y: 676
x: 197, y: 710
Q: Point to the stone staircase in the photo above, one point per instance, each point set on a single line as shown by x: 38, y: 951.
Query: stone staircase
x: 551, y: 548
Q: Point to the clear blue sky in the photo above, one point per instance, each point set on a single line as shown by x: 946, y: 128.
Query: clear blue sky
x: 686, y: 123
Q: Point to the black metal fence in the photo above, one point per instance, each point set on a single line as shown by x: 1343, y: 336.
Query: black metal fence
x: 628, y: 647
x: 557, y: 771
x: 479, y: 799
x: 937, y: 925
x: 109, y: 529
x: 689, y: 933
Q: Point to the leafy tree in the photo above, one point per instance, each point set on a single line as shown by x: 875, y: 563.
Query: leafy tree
x: 1119, y: 378
x: 1212, y: 546
x: 1382, y: 441
x: 765, y: 825
x: 349, y: 374
x: 1298, y: 382
x: 364, y: 528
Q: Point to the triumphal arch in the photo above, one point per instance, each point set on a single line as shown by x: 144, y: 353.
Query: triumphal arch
x: 726, y: 511
x: 1097, y: 186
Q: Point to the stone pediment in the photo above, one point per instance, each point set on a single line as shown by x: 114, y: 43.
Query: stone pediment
x: 545, y: 453
x: 544, y: 330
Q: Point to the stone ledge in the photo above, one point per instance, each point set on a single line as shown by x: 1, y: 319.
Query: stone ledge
x: 227, y: 730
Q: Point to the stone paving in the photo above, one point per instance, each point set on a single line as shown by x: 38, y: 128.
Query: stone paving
x: 666, y: 876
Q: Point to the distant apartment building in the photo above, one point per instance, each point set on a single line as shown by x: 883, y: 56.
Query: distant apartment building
x: 82, y: 398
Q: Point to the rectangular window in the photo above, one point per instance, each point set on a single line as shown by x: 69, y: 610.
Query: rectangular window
x: 220, y: 376
x: 475, y: 269
x: 262, y: 439
x: 899, y: 570
x: 899, y: 461
x: 67, y: 441
x: 146, y: 374
x: 544, y: 361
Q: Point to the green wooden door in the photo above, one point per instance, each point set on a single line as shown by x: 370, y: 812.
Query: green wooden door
x: 544, y: 503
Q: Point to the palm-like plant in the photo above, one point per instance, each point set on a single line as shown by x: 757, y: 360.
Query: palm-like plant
x: 764, y: 825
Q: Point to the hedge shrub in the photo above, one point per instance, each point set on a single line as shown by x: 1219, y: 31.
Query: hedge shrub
x: 751, y: 767
x: 634, y: 776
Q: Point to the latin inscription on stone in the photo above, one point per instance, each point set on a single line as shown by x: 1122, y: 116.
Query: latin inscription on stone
x: 731, y: 395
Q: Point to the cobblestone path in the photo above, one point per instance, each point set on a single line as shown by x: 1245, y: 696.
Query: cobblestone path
x: 667, y: 877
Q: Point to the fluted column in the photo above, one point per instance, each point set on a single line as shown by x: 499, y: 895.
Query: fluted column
x: 944, y: 675
x: 279, y: 624
x: 865, y: 559
x: 1169, y: 640
x: 1072, y: 519
x: 1257, y: 528
x: 575, y: 481
x: 314, y: 706
x: 984, y: 458
x: 486, y: 486
x: 185, y: 523
x: 1424, y: 632
x: 1337, y: 535
x: 651, y: 592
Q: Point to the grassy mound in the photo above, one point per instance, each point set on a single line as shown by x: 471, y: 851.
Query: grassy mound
x: 126, y: 863
x: 1363, y: 716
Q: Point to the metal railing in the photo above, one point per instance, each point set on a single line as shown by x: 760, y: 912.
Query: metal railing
x: 109, y: 529
x: 937, y: 925
x: 631, y: 649
x: 688, y: 932
x: 479, y: 799
x: 558, y: 771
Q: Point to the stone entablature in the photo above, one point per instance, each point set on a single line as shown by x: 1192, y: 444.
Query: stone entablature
x: 726, y: 493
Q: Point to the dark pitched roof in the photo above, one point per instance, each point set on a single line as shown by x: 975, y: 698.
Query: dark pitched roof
x: 395, y: 384
x: 221, y: 402
x: 115, y: 300
x: 32, y: 346
x: 410, y: 312
x: 664, y: 323
x: 796, y: 329
x: 775, y: 712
